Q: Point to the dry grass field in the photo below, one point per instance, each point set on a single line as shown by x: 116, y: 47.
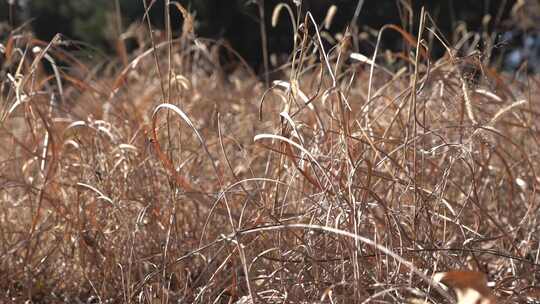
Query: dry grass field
x: 159, y: 178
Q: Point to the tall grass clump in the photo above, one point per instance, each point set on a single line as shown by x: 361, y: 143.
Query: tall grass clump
x: 353, y: 179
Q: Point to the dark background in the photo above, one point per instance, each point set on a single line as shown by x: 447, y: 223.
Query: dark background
x: 237, y: 21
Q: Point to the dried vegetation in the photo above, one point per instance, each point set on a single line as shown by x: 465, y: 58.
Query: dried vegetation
x: 351, y: 180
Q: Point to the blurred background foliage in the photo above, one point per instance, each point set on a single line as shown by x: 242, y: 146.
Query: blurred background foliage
x: 94, y: 22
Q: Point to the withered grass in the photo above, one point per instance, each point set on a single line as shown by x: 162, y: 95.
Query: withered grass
x: 350, y: 180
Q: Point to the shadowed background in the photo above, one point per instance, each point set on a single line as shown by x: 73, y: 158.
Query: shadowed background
x: 237, y: 21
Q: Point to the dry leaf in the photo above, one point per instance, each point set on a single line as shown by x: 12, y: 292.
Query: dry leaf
x: 470, y: 286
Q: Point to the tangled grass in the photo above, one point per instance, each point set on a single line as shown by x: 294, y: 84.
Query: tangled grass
x: 351, y: 180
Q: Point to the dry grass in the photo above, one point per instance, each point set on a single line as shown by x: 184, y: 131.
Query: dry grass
x: 350, y: 181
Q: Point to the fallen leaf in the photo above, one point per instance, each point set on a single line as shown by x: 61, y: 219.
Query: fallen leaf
x: 470, y: 286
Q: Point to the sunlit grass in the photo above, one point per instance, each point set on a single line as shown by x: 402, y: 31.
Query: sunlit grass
x: 351, y: 179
